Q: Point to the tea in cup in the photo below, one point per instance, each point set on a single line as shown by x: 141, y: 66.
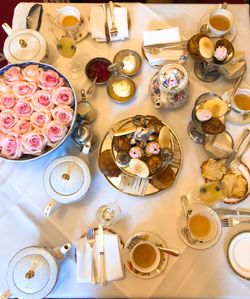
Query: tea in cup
x: 220, y: 22
x: 69, y: 17
x: 202, y: 226
x: 145, y: 257
x: 241, y: 101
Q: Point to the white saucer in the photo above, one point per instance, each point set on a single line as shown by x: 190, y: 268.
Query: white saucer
x: 229, y: 36
x: 135, y: 239
x: 182, y: 222
x: 233, y: 116
x: 238, y: 254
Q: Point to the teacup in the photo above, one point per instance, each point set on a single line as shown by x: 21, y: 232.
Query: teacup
x: 202, y: 226
x: 220, y: 22
x: 145, y: 257
x: 69, y: 17
x: 241, y: 101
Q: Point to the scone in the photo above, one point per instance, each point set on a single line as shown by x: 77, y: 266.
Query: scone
x: 107, y: 165
x: 213, y: 126
x: 213, y: 170
x: 164, y: 179
x: 240, y: 188
x: 229, y: 181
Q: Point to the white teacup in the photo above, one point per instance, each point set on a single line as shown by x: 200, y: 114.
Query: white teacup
x: 241, y: 101
x: 145, y: 257
x: 220, y: 22
x: 202, y: 226
x: 69, y: 17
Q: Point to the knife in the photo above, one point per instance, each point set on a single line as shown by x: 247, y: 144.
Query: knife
x: 168, y: 45
x: 105, y: 11
x: 101, y: 252
x: 239, y: 212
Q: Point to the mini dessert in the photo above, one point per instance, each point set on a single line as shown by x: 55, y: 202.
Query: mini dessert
x: 107, y: 165
x: 164, y: 137
x: 203, y: 114
x: 216, y: 106
x: 164, y: 179
x: 206, y: 47
x: 122, y: 159
x: 213, y: 126
x: 136, y: 152
x: 213, y: 170
x: 154, y: 164
x: 139, y: 120
x: 193, y: 45
x: 240, y: 188
x: 220, y: 53
x: 152, y: 148
x: 121, y: 88
x: 166, y: 155
x: 156, y: 124
x: 121, y: 143
x: 224, y: 51
x: 139, y: 168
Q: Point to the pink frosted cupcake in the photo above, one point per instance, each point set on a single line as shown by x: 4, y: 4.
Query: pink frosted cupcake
x: 152, y: 148
x: 136, y: 152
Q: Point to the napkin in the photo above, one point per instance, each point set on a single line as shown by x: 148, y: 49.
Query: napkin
x: 112, y: 256
x: 97, y: 20
x: 162, y: 36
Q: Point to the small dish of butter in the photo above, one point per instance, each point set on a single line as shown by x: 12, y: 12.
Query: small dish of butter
x: 130, y: 61
x: 121, y: 88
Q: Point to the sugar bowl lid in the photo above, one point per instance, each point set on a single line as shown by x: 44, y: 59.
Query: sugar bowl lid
x: 24, y: 45
x: 67, y: 179
x: 32, y: 273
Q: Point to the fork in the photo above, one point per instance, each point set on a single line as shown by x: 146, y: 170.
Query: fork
x: 91, y: 242
x: 113, y: 29
x: 234, y: 165
x: 156, y: 50
x: 230, y: 221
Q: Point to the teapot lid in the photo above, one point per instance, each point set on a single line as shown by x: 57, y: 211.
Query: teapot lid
x: 67, y: 179
x: 32, y: 273
x: 24, y: 45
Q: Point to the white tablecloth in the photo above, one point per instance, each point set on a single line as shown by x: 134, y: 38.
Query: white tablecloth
x: 200, y: 274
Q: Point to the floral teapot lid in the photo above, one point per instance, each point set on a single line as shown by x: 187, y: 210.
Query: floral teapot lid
x: 32, y: 273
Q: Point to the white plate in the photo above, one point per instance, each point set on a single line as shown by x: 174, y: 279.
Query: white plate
x: 182, y: 222
x: 238, y: 254
x: 233, y: 116
x: 135, y: 239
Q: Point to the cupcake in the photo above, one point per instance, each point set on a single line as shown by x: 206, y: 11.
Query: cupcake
x: 122, y: 159
x: 152, y: 148
x: 136, y: 152
x: 154, y: 164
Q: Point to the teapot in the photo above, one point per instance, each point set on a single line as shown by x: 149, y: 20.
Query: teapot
x: 32, y: 272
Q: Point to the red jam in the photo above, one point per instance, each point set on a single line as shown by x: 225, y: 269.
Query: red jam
x: 98, y: 67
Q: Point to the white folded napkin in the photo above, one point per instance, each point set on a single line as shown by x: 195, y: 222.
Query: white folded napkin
x: 162, y: 36
x: 112, y: 256
x: 97, y: 20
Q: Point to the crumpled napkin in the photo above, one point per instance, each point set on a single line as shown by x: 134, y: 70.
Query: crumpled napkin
x: 161, y: 37
x: 97, y: 20
x: 112, y: 257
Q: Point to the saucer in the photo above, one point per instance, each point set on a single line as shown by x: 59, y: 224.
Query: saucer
x: 229, y: 36
x: 233, y: 116
x: 135, y: 239
x: 238, y: 254
x: 182, y: 222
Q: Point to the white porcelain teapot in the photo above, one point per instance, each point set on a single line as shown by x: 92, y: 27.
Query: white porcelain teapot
x: 32, y: 272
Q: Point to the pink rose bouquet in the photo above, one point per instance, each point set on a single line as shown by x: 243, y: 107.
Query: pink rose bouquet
x: 33, y: 142
x: 50, y: 80
x: 63, y: 113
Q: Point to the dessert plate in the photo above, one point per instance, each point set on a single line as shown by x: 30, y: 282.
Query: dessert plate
x: 135, y: 239
x: 233, y: 116
x: 182, y: 222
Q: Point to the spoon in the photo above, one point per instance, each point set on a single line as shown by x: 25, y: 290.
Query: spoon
x: 91, y: 88
x: 172, y: 252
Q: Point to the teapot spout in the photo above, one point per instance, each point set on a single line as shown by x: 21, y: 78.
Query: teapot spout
x: 61, y: 251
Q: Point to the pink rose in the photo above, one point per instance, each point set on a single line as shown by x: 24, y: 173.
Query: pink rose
x: 33, y: 142
x: 62, y: 96
x: 40, y: 118
x: 4, y: 87
x: 55, y: 131
x: 23, y: 108
x: 12, y: 75
x: 24, y: 89
x: 11, y: 146
x: 22, y: 126
x: 50, y: 80
x: 42, y: 99
x: 8, y: 120
x: 7, y: 101
x: 31, y: 73
x: 63, y: 113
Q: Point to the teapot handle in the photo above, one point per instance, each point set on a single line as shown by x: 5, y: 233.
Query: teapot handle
x: 7, y: 28
x: 84, y: 154
x: 52, y: 206
x: 6, y: 294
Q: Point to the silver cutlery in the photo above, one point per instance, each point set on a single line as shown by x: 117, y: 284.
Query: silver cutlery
x: 234, y: 165
x: 113, y: 29
x: 226, y: 211
x: 91, y: 242
x: 230, y: 222
x: 170, y: 251
x: 233, y: 155
x: 102, y: 272
x: 156, y: 50
x: 91, y: 88
x: 106, y: 27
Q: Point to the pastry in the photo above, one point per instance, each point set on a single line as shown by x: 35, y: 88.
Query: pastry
x: 121, y: 143
x: 154, y: 164
x: 107, y: 165
x: 136, y: 152
x: 229, y: 181
x: 206, y: 47
x: 220, y: 53
x: 156, y: 124
x: 166, y: 154
x: 152, y: 148
x: 213, y: 126
x: 203, y: 114
x: 139, y: 168
x: 122, y: 159
x: 164, y: 137
x: 213, y: 170
x: 240, y: 188
x: 216, y: 106
x: 164, y: 179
